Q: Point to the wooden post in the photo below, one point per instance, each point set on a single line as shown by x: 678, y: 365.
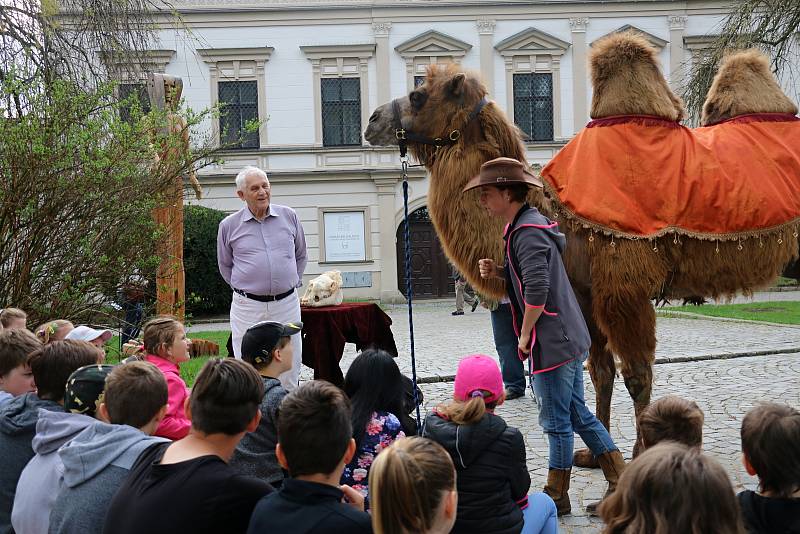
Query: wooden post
x: 164, y: 94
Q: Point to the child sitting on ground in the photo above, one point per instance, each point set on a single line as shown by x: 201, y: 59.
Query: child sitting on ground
x: 672, y: 489
x: 671, y: 418
x: 54, y: 330
x: 314, y: 444
x: 16, y: 377
x: 413, y: 484
x: 40, y: 480
x: 188, y: 486
x: 51, y: 366
x: 267, y: 347
x: 166, y: 347
x: 98, y: 460
x: 771, y: 451
x: 489, y: 456
x: 375, y: 388
x: 13, y: 318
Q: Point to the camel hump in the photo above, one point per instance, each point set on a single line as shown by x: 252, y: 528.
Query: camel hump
x: 627, y: 79
x: 744, y: 84
x: 619, y: 51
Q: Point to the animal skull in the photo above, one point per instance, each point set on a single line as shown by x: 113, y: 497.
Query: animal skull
x: 324, y: 290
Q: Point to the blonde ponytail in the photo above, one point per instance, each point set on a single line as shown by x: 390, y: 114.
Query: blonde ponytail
x: 407, y: 482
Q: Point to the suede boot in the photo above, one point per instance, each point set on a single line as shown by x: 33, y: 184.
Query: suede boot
x: 557, y: 488
x: 612, y: 465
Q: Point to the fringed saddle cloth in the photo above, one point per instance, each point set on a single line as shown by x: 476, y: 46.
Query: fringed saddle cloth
x: 643, y: 177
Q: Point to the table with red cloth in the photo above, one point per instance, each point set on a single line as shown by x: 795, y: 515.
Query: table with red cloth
x: 326, y: 329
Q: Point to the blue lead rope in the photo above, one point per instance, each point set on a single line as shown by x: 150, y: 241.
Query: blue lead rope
x: 409, y: 291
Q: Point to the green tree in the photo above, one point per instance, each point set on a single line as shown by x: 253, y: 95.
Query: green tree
x: 206, y: 292
x: 77, y: 188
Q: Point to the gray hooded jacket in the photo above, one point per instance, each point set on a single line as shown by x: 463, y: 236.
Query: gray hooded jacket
x: 41, y: 478
x: 96, y: 462
x: 537, y: 278
x: 17, y: 428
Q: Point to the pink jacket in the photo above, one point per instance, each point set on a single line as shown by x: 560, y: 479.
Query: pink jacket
x: 175, y: 425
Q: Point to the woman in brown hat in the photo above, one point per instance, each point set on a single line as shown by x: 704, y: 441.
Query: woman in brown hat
x: 552, y: 333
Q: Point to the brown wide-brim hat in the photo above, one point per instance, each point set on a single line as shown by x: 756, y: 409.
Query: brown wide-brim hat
x: 503, y: 171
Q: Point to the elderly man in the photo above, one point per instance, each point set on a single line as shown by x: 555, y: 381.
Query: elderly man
x: 261, y: 252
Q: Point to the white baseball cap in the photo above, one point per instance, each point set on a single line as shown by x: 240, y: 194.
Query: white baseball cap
x: 87, y: 333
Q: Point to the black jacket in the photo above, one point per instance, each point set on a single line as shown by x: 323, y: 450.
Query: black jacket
x: 492, y: 476
x: 302, y: 507
x: 536, y: 274
x: 766, y: 515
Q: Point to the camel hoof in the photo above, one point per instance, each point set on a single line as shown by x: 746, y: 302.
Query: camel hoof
x: 585, y: 458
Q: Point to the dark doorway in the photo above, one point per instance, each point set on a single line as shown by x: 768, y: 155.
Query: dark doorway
x: 431, y: 276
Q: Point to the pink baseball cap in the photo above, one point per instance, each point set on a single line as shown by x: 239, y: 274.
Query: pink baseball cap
x: 476, y: 373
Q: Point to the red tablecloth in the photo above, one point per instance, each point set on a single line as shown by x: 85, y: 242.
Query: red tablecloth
x: 327, y: 329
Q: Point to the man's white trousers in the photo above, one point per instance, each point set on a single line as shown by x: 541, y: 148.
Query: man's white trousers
x: 246, y: 312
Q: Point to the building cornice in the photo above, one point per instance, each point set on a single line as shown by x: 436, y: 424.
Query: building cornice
x: 433, y: 43
x: 317, y: 52
x: 217, y: 55
x: 532, y: 40
x: 654, y: 40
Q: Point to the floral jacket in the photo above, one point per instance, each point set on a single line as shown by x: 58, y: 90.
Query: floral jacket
x: 381, y: 431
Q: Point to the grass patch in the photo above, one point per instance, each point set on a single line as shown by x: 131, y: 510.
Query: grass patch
x: 787, y: 282
x: 784, y: 312
x: 190, y: 369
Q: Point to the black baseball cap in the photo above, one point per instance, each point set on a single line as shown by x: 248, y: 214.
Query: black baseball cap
x: 261, y: 338
x: 85, y: 387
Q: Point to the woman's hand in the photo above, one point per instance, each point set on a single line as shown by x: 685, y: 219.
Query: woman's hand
x: 524, y: 343
x: 488, y: 268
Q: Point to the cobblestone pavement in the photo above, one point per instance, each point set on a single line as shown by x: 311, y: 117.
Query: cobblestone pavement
x: 441, y: 339
x: 724, y: 389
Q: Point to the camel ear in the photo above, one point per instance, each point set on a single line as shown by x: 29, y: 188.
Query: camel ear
x: 456, y: 85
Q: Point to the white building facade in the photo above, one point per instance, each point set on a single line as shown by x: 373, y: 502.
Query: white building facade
x: 312, y: 71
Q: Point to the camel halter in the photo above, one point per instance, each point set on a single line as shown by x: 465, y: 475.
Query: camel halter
x: 404, y: 136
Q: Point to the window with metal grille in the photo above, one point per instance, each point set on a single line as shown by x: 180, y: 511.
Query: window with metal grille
x: 130, y: 92
x: 341, y: 111
x: 238, y: 108
x: 533, y: 105
x: 418, y: 80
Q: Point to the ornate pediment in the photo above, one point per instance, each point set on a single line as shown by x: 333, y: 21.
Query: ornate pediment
x: 657, y: 42
x: 433, y: 43
x: 532, y: 41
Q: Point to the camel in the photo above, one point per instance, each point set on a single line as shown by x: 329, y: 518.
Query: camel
x: 614, y: 272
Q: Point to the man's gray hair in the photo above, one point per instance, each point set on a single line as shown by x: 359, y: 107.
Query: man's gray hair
x: 244, y: 173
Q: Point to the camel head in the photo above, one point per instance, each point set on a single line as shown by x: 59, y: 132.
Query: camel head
x: 440, y: 105
x: 627, y: 79
x: 744, y: 84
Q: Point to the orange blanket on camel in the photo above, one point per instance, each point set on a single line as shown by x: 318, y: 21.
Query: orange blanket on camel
x: 645, y: 176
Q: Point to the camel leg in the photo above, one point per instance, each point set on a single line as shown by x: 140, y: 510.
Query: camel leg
x: 639, y: 382
x: 629, y: 322
x: 602, y: 371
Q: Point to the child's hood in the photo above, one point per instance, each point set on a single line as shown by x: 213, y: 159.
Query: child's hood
x: 101, y: 445
x: 53, y: 429
x: 465, y: 443
x: 19, y: 415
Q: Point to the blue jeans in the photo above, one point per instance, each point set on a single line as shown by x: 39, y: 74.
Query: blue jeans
x: 540, y: 516
x: 563, y: 411
x: 505, y: 341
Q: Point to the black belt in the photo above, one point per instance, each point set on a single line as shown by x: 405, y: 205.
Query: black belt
x: 264, y: 298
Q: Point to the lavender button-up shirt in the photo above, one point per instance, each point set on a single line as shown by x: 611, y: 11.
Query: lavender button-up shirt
x: 262, y: 257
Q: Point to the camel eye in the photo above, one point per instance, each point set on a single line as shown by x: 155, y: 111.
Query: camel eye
x: 418, y: 99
